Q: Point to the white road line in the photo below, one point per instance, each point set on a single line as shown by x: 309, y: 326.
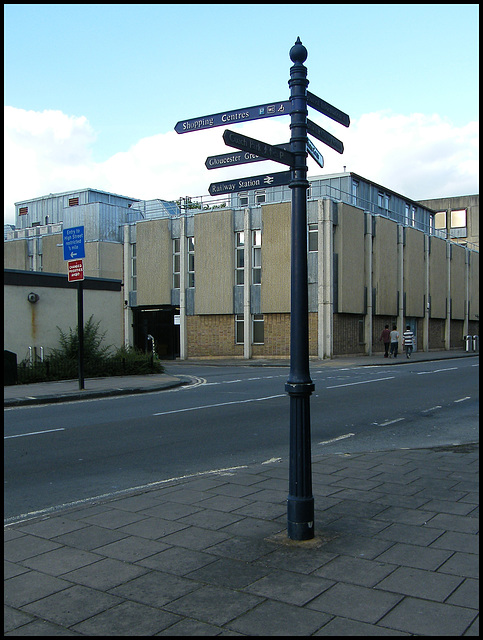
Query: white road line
x: 384, y: 424
x: 463, y: 399
x: 114, y: 494
x: 347, y: 435
x: 350, y: 384
x: 438, y: 406
x: 33, y: 433
x: 220, y: 404
x: 271, y: 460
x: 423, y: 373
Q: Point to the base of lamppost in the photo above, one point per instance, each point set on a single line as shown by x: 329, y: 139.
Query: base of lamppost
x: 300, y: 518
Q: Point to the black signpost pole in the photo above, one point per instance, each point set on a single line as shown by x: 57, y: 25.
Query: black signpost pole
x: 80, y: 331
x: 300, y: 502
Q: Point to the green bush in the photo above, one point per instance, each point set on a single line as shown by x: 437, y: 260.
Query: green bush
x: 99, y: 360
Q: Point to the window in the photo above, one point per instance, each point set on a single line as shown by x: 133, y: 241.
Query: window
x: 191, y: 261
x: 239, y: 257
x: 258, y: 334
x: 239, y: 329
x: 458, y: 218
x: 257, y: 257
x: 73, y: 202
x: 176, y: 263
x: 440, y: 220
x: 413, y: 216
x: 23, y: 211
x: 243, y: 199
x: 259, y: 197
x: 133, y: 268
x: 355, y: 188
x: 313, y: 237
x: 406, y: 213
x: 383, y: 200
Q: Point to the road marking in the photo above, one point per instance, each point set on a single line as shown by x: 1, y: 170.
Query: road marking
x: 113, y: 494
x: 423, y: 373
x: 438, y: 406
x: 463, y: 399
x: 272, y: 460
x: 33, y: 433
x: 350, y: 384
x: 384, y: 424
x: 347, y: 435
x: 220, y: 404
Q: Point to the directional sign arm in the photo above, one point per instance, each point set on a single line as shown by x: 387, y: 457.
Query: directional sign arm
x: 281, y: 108
x: 267, y: 151
x: 324, y: 136
x: 249, y: 184
x: 327, y: 109
x: 237, y: 157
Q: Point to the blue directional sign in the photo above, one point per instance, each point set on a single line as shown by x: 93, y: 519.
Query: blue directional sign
x: 327, y: 109
x: 249, y: 184
x: 232, y: 117
x: 315, y: 153
x: 237, y: 157
x: 324, y: 136
x: 267, y: 151
x: 73, y: 241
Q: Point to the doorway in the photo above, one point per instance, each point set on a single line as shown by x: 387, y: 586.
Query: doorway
x: 157, y: 324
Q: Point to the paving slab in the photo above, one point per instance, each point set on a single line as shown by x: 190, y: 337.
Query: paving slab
x: 395, y: 553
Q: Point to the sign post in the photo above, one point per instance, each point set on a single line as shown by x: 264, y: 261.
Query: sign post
x: 74, y: 251
x: 299, y: 386
x: 300, y: 501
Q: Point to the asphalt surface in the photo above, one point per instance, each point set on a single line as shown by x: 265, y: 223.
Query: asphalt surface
x: 395, y: 550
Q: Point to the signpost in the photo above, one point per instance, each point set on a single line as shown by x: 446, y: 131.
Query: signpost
x: 237, y: 157
x: 324, y: 136
x: 315, y: 154
x: 300, y: 501
x: 262, y: 149
x: 327, y: 109
x: 74, y: 251
x: 230, y: 117
x: 249, y: 184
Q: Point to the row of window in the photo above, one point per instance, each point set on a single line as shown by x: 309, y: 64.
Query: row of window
x: 257, y: 329
x: 256, y: 275
x: 457, y: 220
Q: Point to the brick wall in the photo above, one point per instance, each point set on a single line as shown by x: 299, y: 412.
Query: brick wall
x: 212, y: 335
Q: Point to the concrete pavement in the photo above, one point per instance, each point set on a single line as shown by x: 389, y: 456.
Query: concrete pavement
x: 395, y: 552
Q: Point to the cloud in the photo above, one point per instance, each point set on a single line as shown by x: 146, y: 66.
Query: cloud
x: 421, y: 156
x: 417, y: 155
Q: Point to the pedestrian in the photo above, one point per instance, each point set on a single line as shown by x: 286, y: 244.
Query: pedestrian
x: 394, y: 340
x: 408, y: 341
x: 386, y: 338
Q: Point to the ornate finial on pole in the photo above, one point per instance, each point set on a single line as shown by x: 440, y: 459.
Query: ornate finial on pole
x: 298, y: 53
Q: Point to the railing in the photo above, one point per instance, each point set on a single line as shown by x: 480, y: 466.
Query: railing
x: 37, y: 371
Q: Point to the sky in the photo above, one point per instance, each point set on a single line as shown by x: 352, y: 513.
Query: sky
x: 93, y: 92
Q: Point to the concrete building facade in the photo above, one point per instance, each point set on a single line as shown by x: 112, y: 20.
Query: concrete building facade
x: 215, y: 281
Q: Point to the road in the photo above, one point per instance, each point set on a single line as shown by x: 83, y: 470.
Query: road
x: 228, y: 417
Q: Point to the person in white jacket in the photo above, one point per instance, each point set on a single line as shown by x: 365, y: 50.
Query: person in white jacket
x: 394, y: 341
